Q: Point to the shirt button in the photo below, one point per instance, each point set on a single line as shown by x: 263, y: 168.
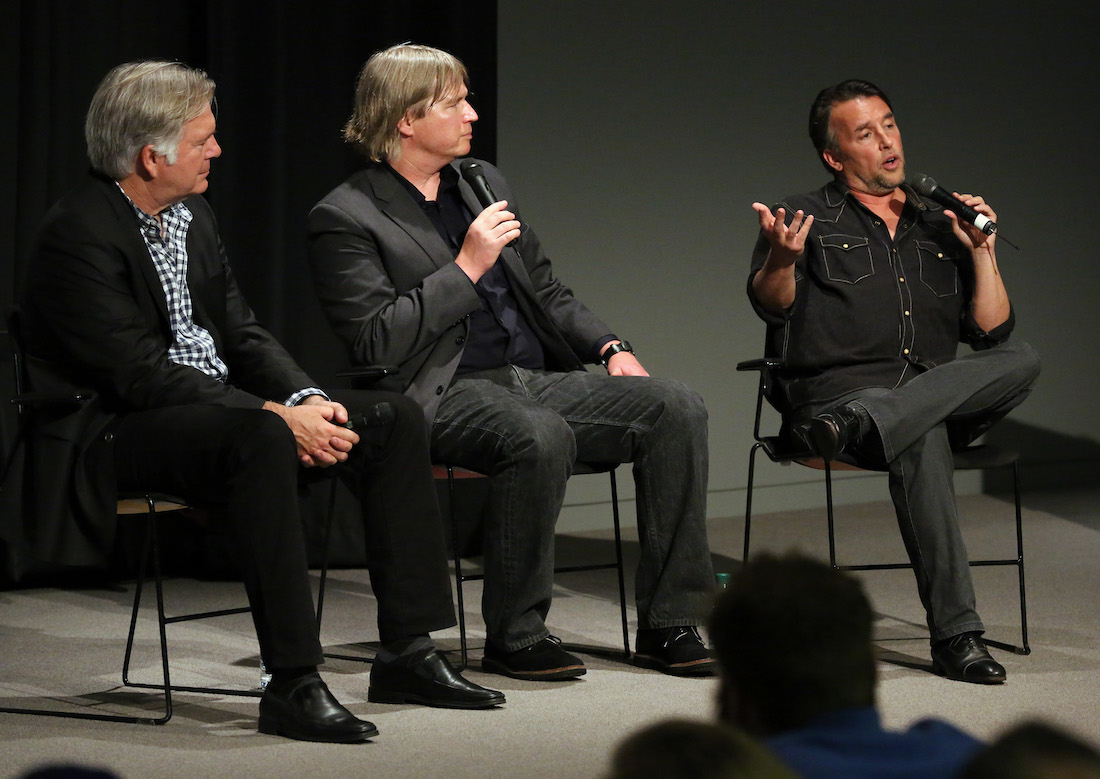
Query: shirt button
x: 940, y: 255
x: 907, y: 313
x: 903, y: 351
x: 901, y: 279
x: 439, y: 390
x: 460, y: 340
x: 845, y: 246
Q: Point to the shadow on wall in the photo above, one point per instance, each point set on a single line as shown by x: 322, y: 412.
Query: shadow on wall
x: 1048, y: 460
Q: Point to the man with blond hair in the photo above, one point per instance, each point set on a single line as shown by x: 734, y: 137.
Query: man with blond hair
x: 129, y: 300
x: 413, y: 270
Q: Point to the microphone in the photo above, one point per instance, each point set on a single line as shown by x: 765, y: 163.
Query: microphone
x: 475, y: 177
x: 927, y: 186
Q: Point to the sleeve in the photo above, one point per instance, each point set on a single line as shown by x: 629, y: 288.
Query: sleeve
x: 575, y: 322
x: 759, y: 255
x: 89, y: 289
x: 368, y: 293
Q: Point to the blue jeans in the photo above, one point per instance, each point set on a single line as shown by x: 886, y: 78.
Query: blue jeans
x: 917, y: 426
x: 525, y: 429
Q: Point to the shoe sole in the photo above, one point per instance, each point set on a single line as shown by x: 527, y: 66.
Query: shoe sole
x: 703, y: 667
x: 386, y: 696
x: 549, y: 675
x: 271, y: 729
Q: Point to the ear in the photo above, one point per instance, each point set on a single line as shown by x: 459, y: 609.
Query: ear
x: 832, y: 160
x: 404, y: 127
x: 147, y: 162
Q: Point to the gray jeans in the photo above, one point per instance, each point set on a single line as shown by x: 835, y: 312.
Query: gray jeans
x: 918, y: 425
x: 525, y: 429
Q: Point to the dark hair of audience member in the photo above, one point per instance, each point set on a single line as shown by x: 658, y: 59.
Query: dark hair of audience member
x: 793, y: 641
x: 688, y: 748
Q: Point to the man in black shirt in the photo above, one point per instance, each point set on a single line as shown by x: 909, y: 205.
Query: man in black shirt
x: 866, y: 292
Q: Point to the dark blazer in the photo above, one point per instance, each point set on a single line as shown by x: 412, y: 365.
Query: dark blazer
x: 93, y: 315
x: 390, y: 288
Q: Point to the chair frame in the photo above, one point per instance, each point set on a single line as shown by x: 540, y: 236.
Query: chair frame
x: 151, y: 504
x: 454, y: 473
x: 981, y: 457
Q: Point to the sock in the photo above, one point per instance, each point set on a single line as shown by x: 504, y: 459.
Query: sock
x: 281, y: 676
x: 392, y: 650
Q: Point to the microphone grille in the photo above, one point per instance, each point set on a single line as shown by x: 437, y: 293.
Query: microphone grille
x: 923, y: 184
x: 468, y: 167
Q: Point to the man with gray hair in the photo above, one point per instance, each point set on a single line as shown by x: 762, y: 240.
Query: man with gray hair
x: 413, y: 270
x: 129, y: 294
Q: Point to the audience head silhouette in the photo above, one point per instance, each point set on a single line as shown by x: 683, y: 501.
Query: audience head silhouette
x: 793, y: 641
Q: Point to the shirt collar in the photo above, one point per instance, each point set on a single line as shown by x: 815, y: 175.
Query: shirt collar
x: 175, y: 214
x: 448, y: 180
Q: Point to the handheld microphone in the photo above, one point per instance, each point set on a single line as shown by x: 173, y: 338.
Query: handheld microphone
x: 927, y: 186
x: 475, y: 177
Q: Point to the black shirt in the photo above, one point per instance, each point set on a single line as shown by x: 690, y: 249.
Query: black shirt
x: 499, y: 332
x: 870, y: 310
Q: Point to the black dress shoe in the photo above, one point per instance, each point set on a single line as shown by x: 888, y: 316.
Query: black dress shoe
x: 833, y: 432
x: 304, y: 709
x: 428, y: 678
x: 545, y: 661
x: 679, y: 651
x: 964, y: 658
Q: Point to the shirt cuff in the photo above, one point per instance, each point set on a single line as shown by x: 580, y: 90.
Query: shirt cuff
x: 301, y: 395
x: 600, y: 344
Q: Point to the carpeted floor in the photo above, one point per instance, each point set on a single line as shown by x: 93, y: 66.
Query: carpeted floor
x: 63, y: 648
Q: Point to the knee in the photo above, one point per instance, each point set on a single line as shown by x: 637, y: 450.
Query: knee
x: 1025, y: 364
x: 682, y: 406
x: 262, y: 439
x: 545, y: 439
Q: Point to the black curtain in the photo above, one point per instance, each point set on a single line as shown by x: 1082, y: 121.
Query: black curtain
x: 286, y: 72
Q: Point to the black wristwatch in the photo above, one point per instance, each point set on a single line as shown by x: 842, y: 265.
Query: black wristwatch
x: 611, y: 351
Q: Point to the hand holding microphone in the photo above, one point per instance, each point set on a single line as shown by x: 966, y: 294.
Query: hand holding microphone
x: 490, y: 231
x: 927, y: 186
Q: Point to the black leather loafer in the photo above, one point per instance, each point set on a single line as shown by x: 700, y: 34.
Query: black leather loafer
x: 964, y: 658
x: 304, y: 709
x: 428, y: 678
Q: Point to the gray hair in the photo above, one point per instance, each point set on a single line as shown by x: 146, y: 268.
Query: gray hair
x: 402, y: 80
x: 143, y: 103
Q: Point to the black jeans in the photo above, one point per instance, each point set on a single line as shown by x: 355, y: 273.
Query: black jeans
x: 525, y: 429
x: 244, y: 463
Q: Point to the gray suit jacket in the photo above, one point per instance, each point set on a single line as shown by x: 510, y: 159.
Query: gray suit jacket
x: 390, y: 288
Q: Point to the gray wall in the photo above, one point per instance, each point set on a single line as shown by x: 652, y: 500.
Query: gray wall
x: 637, y: 135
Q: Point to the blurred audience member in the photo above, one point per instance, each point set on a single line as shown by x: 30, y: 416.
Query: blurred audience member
x: 793, y: 641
